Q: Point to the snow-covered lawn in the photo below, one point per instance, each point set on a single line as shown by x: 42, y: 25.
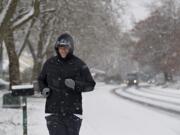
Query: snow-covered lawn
x: 104, y: 114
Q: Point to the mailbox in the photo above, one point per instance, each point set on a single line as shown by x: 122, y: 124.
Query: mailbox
x: 17, y: 98
x: 10, y: 101
x: 22, y: 90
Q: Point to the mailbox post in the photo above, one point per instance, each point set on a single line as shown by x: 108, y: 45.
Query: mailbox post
x: 24, y: 91
x: 24, y: 107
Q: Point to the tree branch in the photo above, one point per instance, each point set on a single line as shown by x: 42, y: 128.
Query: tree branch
x: 31, y: 50
x: 26, y: 37
x: 20, y: 16
x: 34, y: 12
x: 6, y: 14
x: 48, y: 10
x: 49, y: 36
x: 47, y: 44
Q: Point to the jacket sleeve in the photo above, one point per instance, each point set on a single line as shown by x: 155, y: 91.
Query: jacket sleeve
x: 42, y: 78
x: 84, y: 82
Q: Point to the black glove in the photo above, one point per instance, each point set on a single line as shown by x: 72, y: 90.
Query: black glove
x: 70, y: 83
x: 46, y: 92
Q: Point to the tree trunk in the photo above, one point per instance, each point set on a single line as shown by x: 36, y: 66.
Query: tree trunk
x: 14, y: 73
x: 39, y: 55
x: 50, y: 52
x: 36, y: 69
x: 39, y: 60
x: 1, y: 59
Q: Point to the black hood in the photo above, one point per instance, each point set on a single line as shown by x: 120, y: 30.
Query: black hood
x: 65, y: 38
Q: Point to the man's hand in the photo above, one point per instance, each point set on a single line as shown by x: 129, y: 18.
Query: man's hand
x: 70, y: 83
x: 46, y: 92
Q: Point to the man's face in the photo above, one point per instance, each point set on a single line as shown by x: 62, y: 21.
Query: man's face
x: 63, y: 51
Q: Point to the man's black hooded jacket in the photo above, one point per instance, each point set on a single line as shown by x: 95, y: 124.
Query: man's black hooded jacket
x: 63, y: 100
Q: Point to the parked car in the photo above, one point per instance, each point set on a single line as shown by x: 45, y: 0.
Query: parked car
x: 132, y: 79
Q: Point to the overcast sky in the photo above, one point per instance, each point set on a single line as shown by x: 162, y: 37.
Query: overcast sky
x: 138, y: 10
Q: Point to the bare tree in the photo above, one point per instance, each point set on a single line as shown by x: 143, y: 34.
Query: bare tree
x: 95, y: 27
x: 158, y: 34
x: 7, y: 26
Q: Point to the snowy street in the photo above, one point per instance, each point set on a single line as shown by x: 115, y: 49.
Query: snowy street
x: 104, y: 114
